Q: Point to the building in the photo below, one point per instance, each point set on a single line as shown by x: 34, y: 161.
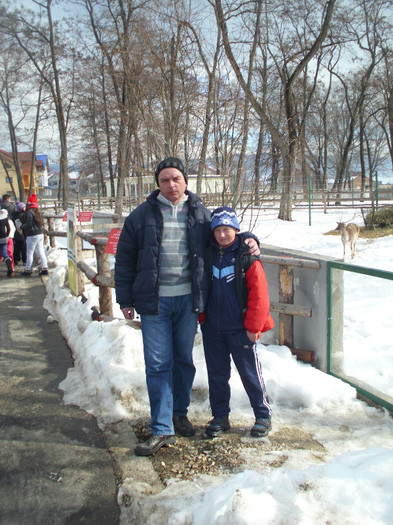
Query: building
x: 39, y: 168
x: 7, y: 174
x: 54, y: 178
x: 357, y: 183
x: 211, y: 183
x: 43, y: 170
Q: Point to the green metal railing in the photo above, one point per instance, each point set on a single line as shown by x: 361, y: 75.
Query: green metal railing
x: 335, y: 309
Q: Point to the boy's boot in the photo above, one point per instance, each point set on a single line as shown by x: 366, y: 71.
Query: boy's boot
x: 216, y: 427
x: 261, y: 427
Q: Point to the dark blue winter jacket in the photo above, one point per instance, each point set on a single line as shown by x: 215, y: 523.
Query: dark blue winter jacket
x: 138, y: 255
x: 238, y: 296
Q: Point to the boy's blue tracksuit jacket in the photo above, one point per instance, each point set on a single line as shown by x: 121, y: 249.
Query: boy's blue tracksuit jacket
x: 241, y: 298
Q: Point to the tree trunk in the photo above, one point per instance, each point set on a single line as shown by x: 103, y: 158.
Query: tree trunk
x: 35, y: 138
x: 14, y: 146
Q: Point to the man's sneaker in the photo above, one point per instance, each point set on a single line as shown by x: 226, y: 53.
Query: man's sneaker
x: 216, y: 427
x: 153, y: 444
x: 183, y: 426
x: 26, y: 273
x: 8, y: 262
x: 261, y: 427
x: 44, y: 271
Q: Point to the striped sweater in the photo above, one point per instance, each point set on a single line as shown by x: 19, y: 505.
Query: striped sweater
x: 175, y: 266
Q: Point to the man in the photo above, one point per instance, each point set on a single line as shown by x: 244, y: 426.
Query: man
x: 159, y: 272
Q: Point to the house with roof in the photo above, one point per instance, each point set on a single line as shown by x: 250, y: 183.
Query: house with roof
x: 7, y: 174
x: 39, y: 167
x: 212, y: 183
x: 43, y: 169
x: 54, y: 180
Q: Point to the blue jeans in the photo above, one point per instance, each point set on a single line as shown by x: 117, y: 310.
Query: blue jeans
x: 168, y: 340
x: 4, y: 252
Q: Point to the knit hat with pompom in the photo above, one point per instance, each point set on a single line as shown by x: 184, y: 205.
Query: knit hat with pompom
x: 32, y: 201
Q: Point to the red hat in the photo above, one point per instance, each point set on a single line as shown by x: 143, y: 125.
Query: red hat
x: 32, y: 201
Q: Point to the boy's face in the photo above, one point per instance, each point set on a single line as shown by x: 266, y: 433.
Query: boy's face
x: 224, y: 235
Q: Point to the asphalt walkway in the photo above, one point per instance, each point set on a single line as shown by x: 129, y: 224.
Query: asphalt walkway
x: 55, y: 465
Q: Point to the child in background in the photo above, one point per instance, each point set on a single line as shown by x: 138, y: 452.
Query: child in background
x: 34, y: 236
x: 19, y: 238
x: 5, y: 235
x: 237, y: 313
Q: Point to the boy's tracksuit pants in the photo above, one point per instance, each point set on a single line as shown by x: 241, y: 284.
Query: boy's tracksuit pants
x: 218, y: 350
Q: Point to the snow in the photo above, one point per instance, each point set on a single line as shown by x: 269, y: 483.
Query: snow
x: 348, y: 481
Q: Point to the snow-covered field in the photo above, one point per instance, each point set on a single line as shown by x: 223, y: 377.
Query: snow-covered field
x: 350, y: 482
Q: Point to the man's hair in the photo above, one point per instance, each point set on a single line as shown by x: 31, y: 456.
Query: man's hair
x: 6, y: 197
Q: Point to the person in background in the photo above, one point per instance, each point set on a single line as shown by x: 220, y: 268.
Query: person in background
x: 34, y: 236
x: 237, y: 313
x: 5, y: 230
x: 8, y: 205
x: 19, y: 237
x: 159, y: 272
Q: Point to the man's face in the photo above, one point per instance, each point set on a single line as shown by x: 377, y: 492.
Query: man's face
x: 172, y: 184
x: 224, y: 235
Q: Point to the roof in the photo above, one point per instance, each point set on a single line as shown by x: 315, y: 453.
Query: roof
x: 25, y: 156
x: 209, y: 170
x: 44, y: 159
x: 5, y: 155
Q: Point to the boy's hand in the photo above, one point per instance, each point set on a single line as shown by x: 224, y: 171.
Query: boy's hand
x: 253, y: 337
x: 253, y: 245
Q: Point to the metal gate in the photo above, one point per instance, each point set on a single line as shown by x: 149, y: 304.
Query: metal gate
x: 360, y: 330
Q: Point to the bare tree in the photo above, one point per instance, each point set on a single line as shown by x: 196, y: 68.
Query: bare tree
x: 17, y: 98
x: 115, y: 29
x: 6, y: 104
x: 289, y: 78
x: 39, y: 39
x: 366, y: 34
x: 211, y: 75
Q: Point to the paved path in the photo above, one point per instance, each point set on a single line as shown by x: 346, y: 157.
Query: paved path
x: 55, y: 467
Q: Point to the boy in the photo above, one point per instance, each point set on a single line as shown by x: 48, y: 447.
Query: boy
x: 237, y: 313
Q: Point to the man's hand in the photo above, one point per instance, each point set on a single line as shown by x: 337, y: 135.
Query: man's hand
x: 128, y: 312
x: 253, y: 245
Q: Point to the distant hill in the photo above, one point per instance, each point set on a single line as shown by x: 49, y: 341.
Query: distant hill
x: 56, y: 167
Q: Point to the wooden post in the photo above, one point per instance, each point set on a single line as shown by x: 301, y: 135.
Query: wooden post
x: 52, y: 240
x: 45, y: 235
x: 104, y: 269
x: 286, y: 294
x: 79, y: 275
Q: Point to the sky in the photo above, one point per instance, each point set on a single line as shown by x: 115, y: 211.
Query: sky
x: 349, y: 481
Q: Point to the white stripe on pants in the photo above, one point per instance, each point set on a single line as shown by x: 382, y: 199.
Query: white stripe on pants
x: 35, y: 242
